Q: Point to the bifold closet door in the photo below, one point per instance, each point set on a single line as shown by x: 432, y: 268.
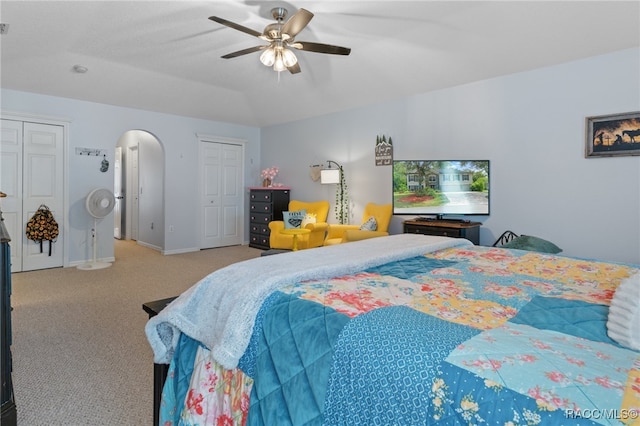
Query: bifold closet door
x: 11, y: 184
x: 221, y: 196
x: 32, y: 171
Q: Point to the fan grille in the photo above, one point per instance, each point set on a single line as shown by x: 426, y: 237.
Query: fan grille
x: 100, y: 202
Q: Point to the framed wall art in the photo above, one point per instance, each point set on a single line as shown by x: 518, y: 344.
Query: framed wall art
x: 384, y: 151
x: 613, y: 135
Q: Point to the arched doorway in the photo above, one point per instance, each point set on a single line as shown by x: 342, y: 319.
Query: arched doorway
x: 139, y: 189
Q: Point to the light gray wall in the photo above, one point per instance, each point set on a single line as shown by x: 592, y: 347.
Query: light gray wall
x: 151, y: 182
x: 101, y: 126
x: 530, y: 125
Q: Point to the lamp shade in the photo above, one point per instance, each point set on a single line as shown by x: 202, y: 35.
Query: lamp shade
x: 279, y: 63
x: 268, y: 57
x: 289, y: 58
x: 329, y: 176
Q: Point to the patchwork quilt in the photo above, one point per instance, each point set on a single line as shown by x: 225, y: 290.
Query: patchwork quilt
x: 462, y: 335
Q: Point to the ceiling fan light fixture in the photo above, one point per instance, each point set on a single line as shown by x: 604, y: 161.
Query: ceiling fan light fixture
x: 279, y: 63
x: 272, y: 31
x: 268, y: 57
x: 280, y: 36
x: 289, y: 58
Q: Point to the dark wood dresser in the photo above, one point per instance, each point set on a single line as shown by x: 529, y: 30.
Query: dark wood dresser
x: 265, y: 205
x: 9, y: 413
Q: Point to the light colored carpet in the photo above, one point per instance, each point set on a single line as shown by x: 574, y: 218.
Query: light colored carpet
x: 80, y: 355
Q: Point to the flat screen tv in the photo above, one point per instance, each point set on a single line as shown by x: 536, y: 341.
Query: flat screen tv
x: 440, y: 188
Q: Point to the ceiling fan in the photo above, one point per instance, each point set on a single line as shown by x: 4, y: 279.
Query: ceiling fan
x: 281, y: 38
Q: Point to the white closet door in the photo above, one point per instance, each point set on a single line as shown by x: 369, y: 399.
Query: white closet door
x: 221, y: 200
x: 11, y: 184
x: 43, y: 183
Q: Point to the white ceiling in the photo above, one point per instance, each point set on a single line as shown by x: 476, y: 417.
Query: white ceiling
x: 165, y: 55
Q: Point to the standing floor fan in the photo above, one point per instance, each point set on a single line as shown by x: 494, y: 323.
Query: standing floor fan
x: 99, y: 203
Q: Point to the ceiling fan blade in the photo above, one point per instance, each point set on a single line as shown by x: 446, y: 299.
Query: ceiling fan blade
x: 297, y: 22
x: 244, y: 52
x: 294, y: 69
x: 235, y: 26
x: 321, y: 48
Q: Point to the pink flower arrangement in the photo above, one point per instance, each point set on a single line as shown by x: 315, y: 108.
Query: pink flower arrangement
x: 269, y: 173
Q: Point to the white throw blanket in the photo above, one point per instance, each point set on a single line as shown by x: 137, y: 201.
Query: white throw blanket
x: 623, y: 323
x: 220, y: 310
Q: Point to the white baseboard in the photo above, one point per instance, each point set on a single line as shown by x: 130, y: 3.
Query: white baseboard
x: 190, y: 250
x: 147, y: 245
x: 180, y: 251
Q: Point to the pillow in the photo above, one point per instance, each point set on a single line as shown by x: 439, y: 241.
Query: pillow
x: 527, y: 242
x: 308, y: 218
x: 293, y: 219
x: 623, y: 321
x: 370, y: 225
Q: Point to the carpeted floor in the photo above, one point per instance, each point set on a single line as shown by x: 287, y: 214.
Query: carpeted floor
x: 80, y: 355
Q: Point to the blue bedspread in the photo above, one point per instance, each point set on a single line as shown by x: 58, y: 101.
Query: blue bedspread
x: 383, y: 370
x: 294, y: 357
x: 383, y: 373
x: 464, y: 336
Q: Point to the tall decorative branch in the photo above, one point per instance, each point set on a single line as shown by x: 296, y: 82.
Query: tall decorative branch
x: 342, y: 196
x: 342, y: 200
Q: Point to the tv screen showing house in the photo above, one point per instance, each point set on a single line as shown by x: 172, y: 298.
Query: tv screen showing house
x: 437, y: 187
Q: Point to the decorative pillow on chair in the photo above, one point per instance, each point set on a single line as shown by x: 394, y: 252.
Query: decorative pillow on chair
x: 370, y: 225
x: 293, y: 219
x: 308, y: 218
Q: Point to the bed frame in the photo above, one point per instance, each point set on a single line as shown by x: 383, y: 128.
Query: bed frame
x: 159, y: 370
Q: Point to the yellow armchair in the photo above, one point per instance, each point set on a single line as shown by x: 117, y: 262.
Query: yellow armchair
x: 381, y: 213
x: 278, y: 240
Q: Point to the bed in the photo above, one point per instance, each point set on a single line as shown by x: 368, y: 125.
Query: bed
x: 404, y: 330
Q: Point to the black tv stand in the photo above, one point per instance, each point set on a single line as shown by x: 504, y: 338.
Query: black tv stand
x: 440, y: 218
x: 445, y: 228
x: 423, y: 219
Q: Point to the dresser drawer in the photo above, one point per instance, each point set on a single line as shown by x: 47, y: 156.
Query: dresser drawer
x: 433, y: 230
x: 259, y: 241
x: 260, y: 218
x: 453, y: 229
x: 263, y: 196
x: 261, y: 207
x: 260, y: 228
